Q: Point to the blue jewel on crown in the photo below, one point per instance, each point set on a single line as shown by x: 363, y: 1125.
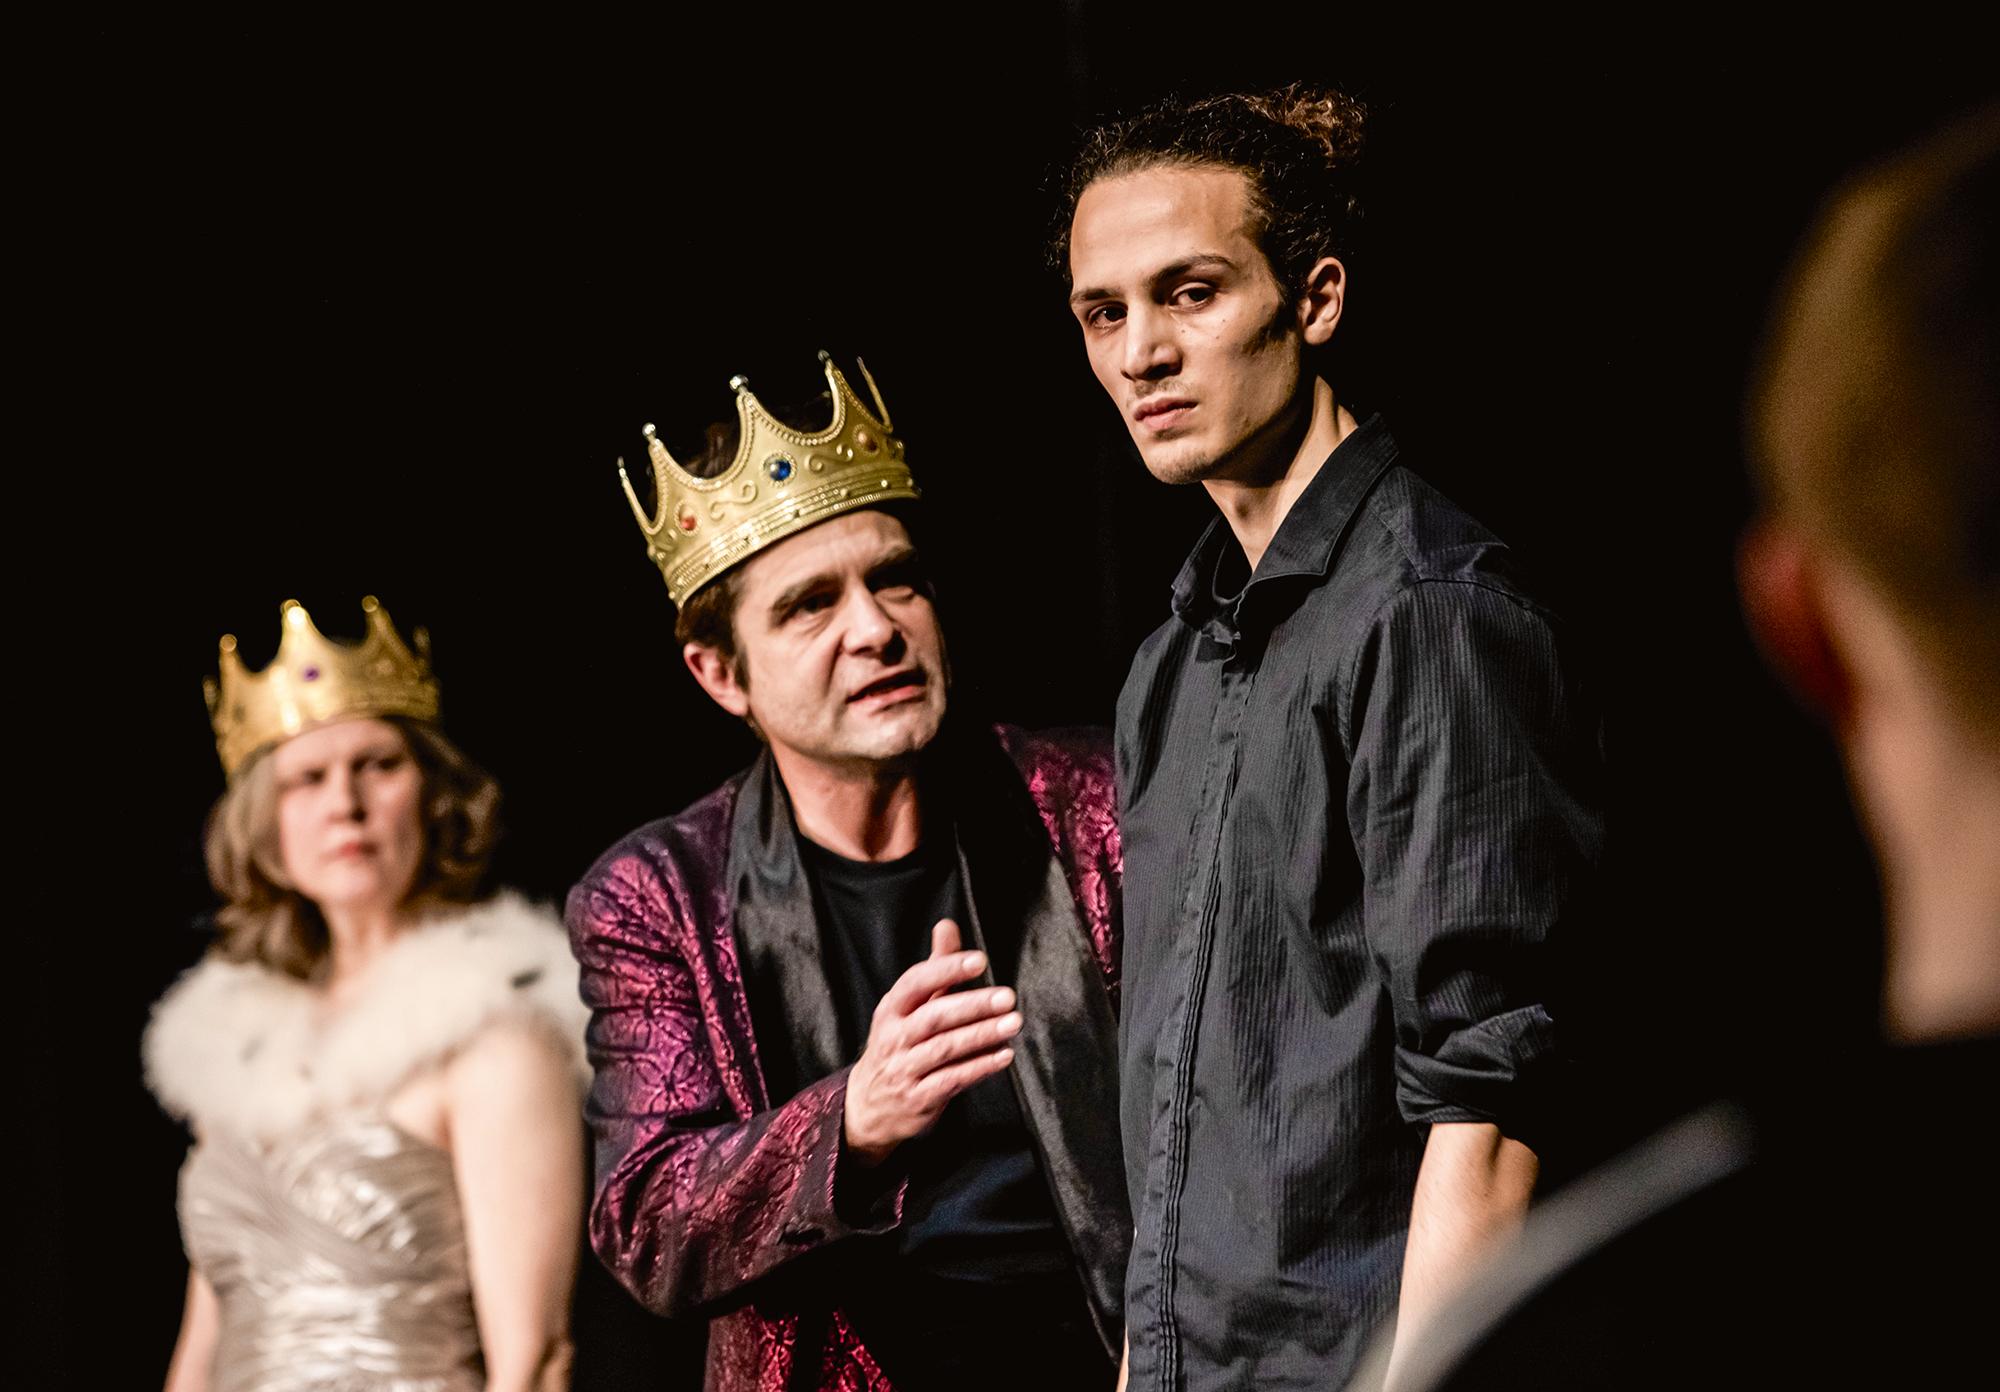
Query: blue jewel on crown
x: 778, y: 467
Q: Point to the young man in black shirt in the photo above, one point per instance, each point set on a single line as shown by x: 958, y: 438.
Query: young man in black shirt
x: 1359, y: 782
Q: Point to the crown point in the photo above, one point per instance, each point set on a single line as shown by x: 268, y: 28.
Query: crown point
x: 739, y: 383
x: 647, y: 430
x: 825, y: 356
x: 881, y: 410
x: 312, y: 679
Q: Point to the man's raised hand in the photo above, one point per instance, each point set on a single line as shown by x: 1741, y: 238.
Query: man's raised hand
x: 926, y: 1044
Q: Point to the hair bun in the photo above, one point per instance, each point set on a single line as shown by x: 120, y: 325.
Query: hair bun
x: 1333, y: 121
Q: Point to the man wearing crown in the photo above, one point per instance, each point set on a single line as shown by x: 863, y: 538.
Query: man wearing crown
x: 853, y: 1020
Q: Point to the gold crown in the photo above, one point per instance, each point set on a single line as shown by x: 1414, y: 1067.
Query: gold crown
x: 313, y: 679
x: 781, y: 481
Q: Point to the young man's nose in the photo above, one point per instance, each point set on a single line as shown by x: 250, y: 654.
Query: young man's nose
x: 1150, y: 352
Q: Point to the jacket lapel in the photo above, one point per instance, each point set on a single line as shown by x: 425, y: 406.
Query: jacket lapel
x: 778, y: 937
x: 1065, y: 1068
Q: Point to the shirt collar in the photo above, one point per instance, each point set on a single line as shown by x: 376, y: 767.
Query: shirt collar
x: 1306, y: 542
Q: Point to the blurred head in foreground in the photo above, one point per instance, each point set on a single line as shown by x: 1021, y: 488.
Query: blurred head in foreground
x: 1872, y: 577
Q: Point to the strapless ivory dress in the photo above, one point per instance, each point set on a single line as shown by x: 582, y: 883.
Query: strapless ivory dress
x: 338, y: 1258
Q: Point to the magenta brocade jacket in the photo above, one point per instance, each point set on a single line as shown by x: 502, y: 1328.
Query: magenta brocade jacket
x: 720, y: 1083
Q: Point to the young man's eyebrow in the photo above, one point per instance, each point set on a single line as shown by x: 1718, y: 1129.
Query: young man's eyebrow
x: 1203, y: 260
x: 1200, y: 261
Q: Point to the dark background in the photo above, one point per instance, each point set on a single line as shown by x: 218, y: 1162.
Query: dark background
x: 315, y: 312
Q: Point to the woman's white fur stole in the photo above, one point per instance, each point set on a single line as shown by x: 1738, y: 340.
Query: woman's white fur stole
x: 233, y: 1047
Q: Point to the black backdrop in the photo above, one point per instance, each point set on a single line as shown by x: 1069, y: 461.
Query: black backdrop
x: 348, y: 309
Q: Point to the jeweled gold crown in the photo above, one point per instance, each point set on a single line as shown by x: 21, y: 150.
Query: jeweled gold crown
x: 313, y: 678
x: 781, y: 481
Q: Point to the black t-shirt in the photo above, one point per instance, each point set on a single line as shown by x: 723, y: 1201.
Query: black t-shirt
x: 978, y: 1276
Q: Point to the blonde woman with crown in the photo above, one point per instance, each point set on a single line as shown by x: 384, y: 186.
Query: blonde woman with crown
x: 382, y: 1074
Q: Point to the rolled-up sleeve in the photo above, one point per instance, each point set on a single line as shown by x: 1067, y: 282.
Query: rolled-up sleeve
x: 1475, y: 804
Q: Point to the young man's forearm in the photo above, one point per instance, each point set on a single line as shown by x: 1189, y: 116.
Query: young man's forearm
x: 1471, y: 1195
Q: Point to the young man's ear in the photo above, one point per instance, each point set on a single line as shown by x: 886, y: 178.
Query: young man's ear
x: 717, y: 676
x: 1319, y: 306
x: 1784, y: 602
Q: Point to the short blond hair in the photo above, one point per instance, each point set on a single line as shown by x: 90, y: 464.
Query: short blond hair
x: 1875, y: 419
x: 264, y: 920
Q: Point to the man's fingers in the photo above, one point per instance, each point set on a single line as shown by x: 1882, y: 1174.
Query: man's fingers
x: 955, y: 1008
x: 944, y: 938
x: 942, y: 1050
x: 945, y: 1084
x: 928, y: 977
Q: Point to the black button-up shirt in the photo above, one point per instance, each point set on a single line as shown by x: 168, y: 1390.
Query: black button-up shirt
x: 1360, y: 789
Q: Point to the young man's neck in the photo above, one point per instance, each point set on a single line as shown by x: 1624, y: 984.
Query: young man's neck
x: 862, y: 812
x: 1256, y: 496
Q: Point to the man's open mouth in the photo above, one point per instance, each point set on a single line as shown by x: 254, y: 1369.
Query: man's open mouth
x: 895, y: 681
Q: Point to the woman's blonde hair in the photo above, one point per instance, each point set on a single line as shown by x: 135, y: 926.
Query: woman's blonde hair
x: 264, y: 920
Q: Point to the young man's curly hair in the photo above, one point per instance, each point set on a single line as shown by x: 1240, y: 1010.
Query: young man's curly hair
x: 1299, y: 147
